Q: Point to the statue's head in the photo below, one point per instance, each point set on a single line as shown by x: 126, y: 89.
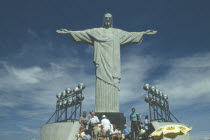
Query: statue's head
x: 108, y: 21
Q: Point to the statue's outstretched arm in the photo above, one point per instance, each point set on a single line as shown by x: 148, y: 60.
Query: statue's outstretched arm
x: 150, y: 32
x: 78, y: 36
x: 63, y: 31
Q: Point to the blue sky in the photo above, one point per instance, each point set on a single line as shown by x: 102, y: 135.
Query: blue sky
x: 36, y: 63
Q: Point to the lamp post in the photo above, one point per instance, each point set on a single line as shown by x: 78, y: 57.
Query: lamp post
x: 158, y: 103
x: 69, y: 99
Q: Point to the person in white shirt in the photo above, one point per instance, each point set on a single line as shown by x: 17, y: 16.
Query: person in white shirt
x: 94, y: 121
x: 116, y: 133
x: 80, y: 134
x: 112, y: 128
x: 146, y: 123
x: 105, y: 127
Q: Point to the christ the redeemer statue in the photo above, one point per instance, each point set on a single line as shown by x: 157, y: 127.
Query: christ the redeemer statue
x: 106, y: 42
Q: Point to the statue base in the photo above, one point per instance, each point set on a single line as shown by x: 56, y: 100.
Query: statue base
x: 117, y: 117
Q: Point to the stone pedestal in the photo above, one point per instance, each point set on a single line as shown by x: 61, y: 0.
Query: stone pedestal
x: 60, y: 131
x: 116, y: 117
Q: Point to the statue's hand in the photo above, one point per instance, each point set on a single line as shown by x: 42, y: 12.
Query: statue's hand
x: 63, y: 31
x: 150, y: 32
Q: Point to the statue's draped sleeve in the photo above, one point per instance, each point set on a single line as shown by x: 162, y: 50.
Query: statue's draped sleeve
x: 82, y: 36
x: 130, y: 37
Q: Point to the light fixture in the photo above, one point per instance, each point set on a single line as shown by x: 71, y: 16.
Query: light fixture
x: 81, y: 86
x: 146, y: 87
x: 68, y: 91
x: 69, y: 101
x: 152, y: 89
x: 60, y: 103
x: 65, y: 102
x: 157, y: 92
x: 146, y: 99
x: 64, y: 93
x: 161, y: 96
x: 76, y: 89
x: 165, y: 96
x: 58, y: 95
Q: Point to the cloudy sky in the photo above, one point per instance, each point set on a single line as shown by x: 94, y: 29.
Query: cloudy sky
x: 36, y: 63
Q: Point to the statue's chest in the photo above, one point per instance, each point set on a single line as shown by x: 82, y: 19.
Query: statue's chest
x: 109, y: 33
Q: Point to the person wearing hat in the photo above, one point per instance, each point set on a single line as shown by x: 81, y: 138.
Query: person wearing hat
x: 126, y: 132
x: 105, y: 127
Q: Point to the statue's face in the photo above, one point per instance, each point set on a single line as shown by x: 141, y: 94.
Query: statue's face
x: 108, y: 20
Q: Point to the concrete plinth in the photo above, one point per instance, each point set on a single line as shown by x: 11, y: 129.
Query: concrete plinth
x: 116, y: 117
x: 60, y: 131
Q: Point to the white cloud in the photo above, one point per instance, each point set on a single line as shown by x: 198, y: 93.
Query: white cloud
x: 197, y: 60
x: 134, y: 71
x: 26, y: 76
x: 10, y: 132
x: 199, y: 138
x: 37, y: 87
x: 186, y: 81
x: 32, y: 131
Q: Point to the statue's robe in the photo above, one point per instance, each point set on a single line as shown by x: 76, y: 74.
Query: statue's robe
x: 106, y: 43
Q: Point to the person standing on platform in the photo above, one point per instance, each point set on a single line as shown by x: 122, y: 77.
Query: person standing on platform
x: 84, y: 120
x: 105, y: 127
x: 146, y: 123
x: 94, y: 121
x: 146, y: 126
x: 134, y: 118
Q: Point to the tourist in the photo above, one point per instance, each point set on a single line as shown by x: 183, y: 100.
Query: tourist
x: 142, y: 131
x: 116, y: 135
x: 111, y: 129
x: 80, y: 134
x: 99, y: 133
x: 134, y: 118
x: 126, y: 132
x: 94, y: 121
x: 89, y: 115
x: 84, y: 120
x: 146, y: 123
x: 86, y: 136
x: 119, y: 133
x: 105, y: 127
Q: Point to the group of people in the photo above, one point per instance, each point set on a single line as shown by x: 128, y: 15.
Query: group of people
x: 93, y: 129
